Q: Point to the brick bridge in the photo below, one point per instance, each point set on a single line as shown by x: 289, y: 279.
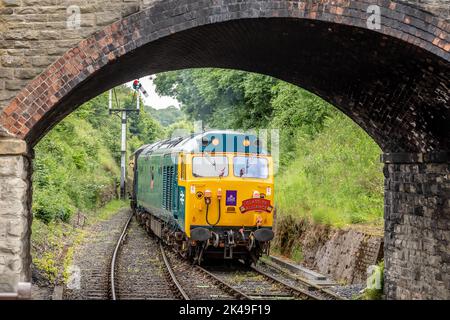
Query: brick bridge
x: 392, y: 79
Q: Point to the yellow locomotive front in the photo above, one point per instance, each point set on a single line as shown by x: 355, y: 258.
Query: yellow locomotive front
x: 227, y: 190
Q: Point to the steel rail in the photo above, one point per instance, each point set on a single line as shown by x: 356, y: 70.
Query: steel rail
x: 294, y: 290
x: 311, y: 285
x: 172, y: 274
x: 114, y: 257
x: 237, y: 293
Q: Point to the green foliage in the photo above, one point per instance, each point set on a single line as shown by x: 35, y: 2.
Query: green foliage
x: 166, y: 116
x: 72, y: 169
x: 145, y: 128
x: 296, y: 253
x: 54, y: 242
x: 111, y: 208
x: 77, y: 164
x: 181, y: 127
x: 335, y: 178
x: 50, y: 241
x: 223, y: 99
x: 297, y: 113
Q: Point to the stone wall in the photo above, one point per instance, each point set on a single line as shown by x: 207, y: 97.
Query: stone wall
x: 15, y: 220
x: 417, y: 228
x: 347, y: 255
x: 342, y: 254
x: 35, y: 33
x: 438, y: 7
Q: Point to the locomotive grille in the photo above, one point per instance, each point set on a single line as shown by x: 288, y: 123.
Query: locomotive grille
x: 168, y: 176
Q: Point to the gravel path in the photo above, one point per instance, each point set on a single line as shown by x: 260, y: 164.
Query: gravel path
x: 93, y: 258
x: 349, y: 291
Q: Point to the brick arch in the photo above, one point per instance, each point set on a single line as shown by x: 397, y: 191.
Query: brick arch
x: 393, y: 82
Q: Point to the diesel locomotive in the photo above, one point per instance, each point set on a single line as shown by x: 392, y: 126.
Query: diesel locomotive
x: 209, y: 195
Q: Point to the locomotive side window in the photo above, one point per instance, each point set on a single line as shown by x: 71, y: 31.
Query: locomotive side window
x: 210, y: 166
x: 251, y: 167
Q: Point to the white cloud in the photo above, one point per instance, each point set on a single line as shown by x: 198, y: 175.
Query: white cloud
x: 154, y: 100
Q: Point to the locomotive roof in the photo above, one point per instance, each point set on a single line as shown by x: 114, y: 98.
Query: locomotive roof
x: 194, y: 143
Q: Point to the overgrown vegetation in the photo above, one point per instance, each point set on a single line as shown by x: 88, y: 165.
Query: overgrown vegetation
x: 76, y: 171
x: 53, y: 243
x: 335, y: 177
x: 76, y: 168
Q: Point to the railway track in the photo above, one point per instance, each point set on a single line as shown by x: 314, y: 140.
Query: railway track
x: 93, y: 259
x: 256, y: 284
x: 194, y: 282
x: 136, y: 271
x: 302, y: 286
x: 274, y: 271
x: 143, y: 268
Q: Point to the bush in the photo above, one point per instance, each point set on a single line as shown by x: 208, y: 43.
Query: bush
x: 335, y: 178
x: 77, y: 163
x: 73, y: 167
x: 50, y: 205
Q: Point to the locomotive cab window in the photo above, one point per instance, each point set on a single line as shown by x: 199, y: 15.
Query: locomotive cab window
x: 251, y: 167
x: 208, y: 166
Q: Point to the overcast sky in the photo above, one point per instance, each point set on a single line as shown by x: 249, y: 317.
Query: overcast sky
x: 154, y: 100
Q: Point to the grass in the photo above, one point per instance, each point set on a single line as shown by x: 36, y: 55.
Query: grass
x: 297, y: 254
x: 54, y: 243
x: 106, y: 212
x: 335, y: 179
x: 51, y: 247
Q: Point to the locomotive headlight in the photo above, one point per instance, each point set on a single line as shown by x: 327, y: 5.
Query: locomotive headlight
x: 256, y: 194
x: 215, y: 142
x: 246, y: 143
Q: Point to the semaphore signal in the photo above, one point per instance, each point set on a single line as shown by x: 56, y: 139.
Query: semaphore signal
x: 137, y: 86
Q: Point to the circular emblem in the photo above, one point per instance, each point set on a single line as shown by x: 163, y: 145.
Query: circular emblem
x: 199, y: 195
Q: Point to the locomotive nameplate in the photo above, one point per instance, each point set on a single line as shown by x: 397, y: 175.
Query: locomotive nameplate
x: 256, y: 204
